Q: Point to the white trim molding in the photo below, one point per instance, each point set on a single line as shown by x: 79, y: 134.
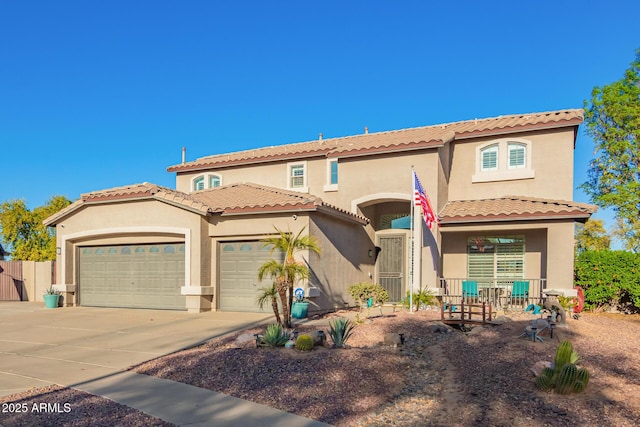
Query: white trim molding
x: 503, y: 172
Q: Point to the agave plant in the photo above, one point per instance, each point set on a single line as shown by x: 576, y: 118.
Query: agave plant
x: 340, y: 331
x: 275, y: 336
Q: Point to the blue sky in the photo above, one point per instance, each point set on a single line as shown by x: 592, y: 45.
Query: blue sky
x: 95, y: 95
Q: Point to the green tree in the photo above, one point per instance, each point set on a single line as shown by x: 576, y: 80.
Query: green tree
x: 22, y: 229
x: 627, y: 232
x: 613, y: 121
x: 591, y: 236
x: 289, y: 271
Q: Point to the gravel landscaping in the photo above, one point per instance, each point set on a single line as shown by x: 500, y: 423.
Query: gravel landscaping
x: 479, y: 377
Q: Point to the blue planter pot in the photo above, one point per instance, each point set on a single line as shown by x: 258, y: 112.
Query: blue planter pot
x: 299, y: 310
x: 51, y: 301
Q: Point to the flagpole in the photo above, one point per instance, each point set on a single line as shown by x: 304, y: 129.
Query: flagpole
x: 411, y: 238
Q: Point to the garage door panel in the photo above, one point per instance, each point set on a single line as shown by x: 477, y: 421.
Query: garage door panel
x: 239, y: 284
x: 139, y: 276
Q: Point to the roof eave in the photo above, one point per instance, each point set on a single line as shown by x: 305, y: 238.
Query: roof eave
x: 385, y: 150
x: 514, y: 217
x: 193, y: 167
x: 574, y: 122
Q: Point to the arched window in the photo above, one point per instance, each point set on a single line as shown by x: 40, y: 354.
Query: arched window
x: 198, y: 183
x: 489, y: 158
x: 215, y: 181
x: 202, y: 182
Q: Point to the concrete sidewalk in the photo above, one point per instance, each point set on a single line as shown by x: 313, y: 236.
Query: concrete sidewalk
x: 90, y: 349
x: 194, y: 407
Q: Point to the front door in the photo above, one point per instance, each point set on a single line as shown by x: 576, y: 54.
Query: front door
x: 391, y: 264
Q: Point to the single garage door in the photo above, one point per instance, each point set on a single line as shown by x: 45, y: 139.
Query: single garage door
x: 135, y: 276
x: 239, y: 284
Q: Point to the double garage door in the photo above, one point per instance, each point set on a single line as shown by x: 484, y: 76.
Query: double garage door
x: 239, y: 284
x: 132, y: 276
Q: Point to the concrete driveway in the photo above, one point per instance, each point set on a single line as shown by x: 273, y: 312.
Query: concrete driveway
x: 66, y: 346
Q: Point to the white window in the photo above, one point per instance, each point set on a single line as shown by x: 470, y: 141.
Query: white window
x: 503, y: 160
x: 495, y: 257
x: 297, y: 176
x: 198, y: 183
x: 490, y: 158
x: 332, y: 175
x: 517, y: 155
x: 202, y: 182
x: 215, y: 181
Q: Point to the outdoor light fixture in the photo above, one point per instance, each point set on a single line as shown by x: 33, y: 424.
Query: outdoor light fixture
x: 370, y: 253
x: 58, y: 250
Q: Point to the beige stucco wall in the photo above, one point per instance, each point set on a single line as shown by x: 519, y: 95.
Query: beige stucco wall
x: 36, y: 279
x: 551, y: 160
x: 344, y: 261
x: 548, y: 246
x: 341, y: 261
x: 142, y: 221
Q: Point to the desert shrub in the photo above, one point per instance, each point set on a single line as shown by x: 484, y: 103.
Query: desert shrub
x: 275, y: 336
x: 340, y: 331
x: 609, y: 278
x: 361, y: 292
x: 422, y: 298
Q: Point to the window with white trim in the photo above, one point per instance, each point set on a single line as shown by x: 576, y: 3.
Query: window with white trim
x: 517, y: 155
x: 489, y: 157
x: 333, y: 172
x: 297, y: 176
x: 205, y: 181
x: 215, y: 181
x: 499, y: 257
x: 198, y: 183
x: 331, y: 175
x: 503, y: 160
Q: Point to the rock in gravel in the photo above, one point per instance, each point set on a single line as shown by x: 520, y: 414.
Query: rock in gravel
x: 245, y: 341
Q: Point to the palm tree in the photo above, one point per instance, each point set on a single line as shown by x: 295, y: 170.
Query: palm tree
x: 270, y: 294
x: 289, y: 271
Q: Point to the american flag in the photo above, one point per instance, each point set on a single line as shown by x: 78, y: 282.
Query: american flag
x: 422, y: 200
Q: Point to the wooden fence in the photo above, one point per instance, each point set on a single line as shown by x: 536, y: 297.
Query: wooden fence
x: 25, y: 280
x: 11, y: 281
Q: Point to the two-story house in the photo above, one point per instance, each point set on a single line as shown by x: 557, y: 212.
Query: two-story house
x: 502, y: 187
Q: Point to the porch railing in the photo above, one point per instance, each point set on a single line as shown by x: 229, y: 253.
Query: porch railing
x: 498, y: 291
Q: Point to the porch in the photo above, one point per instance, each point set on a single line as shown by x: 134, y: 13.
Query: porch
x: 500, y: 292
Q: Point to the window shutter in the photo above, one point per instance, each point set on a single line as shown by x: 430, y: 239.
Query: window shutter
x: 516, y: 156
x: 490, y: 158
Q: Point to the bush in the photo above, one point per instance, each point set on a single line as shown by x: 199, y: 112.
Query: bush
x: 275, y: 336
x: 609, y: 279
x: 421, y: 298
x: 340, y: 331
x: 361, y: 292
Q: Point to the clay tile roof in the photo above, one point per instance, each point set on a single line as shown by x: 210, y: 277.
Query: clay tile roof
x: 510, y: 208
x: 227, y: 200
x: 403, y: 139
x: 519, y: 122
x: 253, y: 198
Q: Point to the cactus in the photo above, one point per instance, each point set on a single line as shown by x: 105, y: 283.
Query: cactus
x: 565, y: 377
x: 579, y: 386
x: 563, y: 354
x: 544, y: 382
x: 583, y: 376
x: 304, y: 343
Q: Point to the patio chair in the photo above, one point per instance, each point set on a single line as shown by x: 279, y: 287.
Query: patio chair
x: 519, y: 293
x: 470, y: 292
